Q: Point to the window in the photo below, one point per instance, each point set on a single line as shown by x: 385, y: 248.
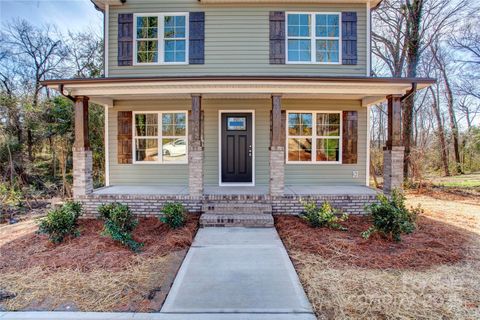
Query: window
x: 313, y: 38
x: 160, y: 131
x: 314, y: 137
x: 161, y: 39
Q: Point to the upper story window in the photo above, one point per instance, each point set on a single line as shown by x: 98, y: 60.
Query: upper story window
x: 161, y: 38
x: 313, y: 38
x: 314, y: 137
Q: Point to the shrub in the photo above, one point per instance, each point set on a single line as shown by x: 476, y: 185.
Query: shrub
x: 325, y: 216
x: 119, y: 224
x: 390, y: 217
x: 174, y: 215
x: 61, y: 222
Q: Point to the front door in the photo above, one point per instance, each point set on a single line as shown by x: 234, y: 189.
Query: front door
x: 236, y: 148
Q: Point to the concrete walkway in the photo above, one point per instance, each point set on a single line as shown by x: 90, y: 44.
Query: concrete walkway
x: 238, y: 272
x: 228, y: 274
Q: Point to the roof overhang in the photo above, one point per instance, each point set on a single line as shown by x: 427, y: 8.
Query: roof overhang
x: 100, y: 4
x: 367, y: 89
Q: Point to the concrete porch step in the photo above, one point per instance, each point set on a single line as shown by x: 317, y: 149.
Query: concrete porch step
x: 262, y: 220
x: 236, y: 208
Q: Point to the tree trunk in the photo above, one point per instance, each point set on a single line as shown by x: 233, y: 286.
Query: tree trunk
x: 441, y: 133
x: 413, y: 11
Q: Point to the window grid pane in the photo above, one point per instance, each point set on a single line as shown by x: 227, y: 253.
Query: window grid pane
x: 323, y: 142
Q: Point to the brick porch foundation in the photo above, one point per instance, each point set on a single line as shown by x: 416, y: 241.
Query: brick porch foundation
x: 148, y: 205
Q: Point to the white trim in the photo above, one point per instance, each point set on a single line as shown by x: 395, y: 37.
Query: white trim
x: 313, y: 37
x: 161, y: 38
x: 367, y: 182
x: 107, y: 149
x: 314, y: 138
x: 106, y: 30
x: 369, y: 39
x: 159, y: 137
x: 235, y: 184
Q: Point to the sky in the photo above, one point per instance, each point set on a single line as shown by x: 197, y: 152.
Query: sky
x: 74, y: 15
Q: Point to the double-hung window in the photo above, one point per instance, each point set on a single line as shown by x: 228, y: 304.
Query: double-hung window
x: 314, y: 38
x: 160, y: 137
x: 161, y: 39
x: 314, y: 137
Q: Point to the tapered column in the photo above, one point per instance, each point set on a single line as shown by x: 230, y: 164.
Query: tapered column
x: 195, y: 148
x: 393, y: 153
x: 277, y: 149
x: 82, y: 155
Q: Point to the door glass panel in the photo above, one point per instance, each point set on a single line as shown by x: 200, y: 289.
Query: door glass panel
x: 236, y: 123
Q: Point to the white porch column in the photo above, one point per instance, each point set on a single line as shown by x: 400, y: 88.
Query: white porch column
x: 277, y: 149
x: 82, y: 155
x: 195, y: 149
x: 393, y: 153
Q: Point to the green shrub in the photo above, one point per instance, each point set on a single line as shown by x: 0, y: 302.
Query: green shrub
x: 119, y: 224
x: 174, y: 215
x: 61, y: 222
x: 325, y: 216
x: 390, y: 217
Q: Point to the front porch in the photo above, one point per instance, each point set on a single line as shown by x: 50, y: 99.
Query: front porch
x: 195, y: 140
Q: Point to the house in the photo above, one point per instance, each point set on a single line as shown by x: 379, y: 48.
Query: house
x: 236, y: 106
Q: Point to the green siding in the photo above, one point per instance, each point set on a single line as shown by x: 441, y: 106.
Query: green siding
x: 144, y: 174
x: 295, y: 174
x: 236, y: 40
x: 334, y: 174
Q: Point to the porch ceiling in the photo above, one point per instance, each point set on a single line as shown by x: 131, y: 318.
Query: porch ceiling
x: 369, y: 90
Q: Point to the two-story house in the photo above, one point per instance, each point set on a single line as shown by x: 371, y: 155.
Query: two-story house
x: 236, y: 103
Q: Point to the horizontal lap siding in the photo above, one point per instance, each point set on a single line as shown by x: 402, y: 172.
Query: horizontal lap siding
x: 334, y: 174
x: 236, y: 40
x: 144, y: 174
x: 262, y: 137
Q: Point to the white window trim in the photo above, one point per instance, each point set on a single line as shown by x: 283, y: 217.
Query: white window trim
x: 161, y: 38
x: 314, y: 138
x: 159, y: 137
x: 313, y: 37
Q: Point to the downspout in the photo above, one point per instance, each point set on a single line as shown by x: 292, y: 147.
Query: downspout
x: 410, y: 92
x: 60, y: 89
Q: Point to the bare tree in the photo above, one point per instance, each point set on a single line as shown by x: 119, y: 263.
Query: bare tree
x: 86, y: 54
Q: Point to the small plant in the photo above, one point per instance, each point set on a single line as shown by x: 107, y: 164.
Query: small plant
x: 61, y: 222
x: 390, y: 217
x: 174, y: 215
x: 325, y: 216
x: 119, y: 224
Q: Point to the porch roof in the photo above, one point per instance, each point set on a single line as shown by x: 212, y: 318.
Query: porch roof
x: 368, y: 89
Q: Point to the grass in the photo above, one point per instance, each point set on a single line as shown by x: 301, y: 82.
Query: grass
x: 462, y: 181
x: 345, y: 281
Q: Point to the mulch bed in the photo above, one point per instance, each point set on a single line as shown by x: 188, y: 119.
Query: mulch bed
x: 92, y: 251
x: 433, y: 243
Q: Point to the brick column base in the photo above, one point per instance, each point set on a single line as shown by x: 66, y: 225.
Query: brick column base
x: 393, y: 169
x: 277, y: 171
x: 195, y: 171
x: 82, y: 172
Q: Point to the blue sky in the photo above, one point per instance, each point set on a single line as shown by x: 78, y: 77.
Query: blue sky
x: 72, y: 15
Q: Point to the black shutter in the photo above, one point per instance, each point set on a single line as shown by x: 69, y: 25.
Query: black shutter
x: 125, y: 39
x: 277, y: 37
x: 197, y: 38
x: 349, y: 38
x: 350, y: 137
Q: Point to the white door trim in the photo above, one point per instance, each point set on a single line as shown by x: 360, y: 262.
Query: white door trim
x: 219, y: 128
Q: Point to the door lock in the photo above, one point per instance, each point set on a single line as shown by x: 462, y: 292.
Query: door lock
x: 250, y: 150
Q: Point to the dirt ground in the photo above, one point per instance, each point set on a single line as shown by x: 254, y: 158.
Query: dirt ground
x: 433, y: 274
x: 91, y: 272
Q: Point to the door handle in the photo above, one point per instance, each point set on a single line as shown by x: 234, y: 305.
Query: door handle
x: 250, y: 151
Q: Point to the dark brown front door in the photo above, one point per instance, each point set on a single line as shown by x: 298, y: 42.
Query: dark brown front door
x: 237, y: 147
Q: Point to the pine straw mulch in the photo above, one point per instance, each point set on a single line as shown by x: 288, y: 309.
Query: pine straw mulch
x: 92, y: 272
x: 433, y: 274
x: 433, y: 243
